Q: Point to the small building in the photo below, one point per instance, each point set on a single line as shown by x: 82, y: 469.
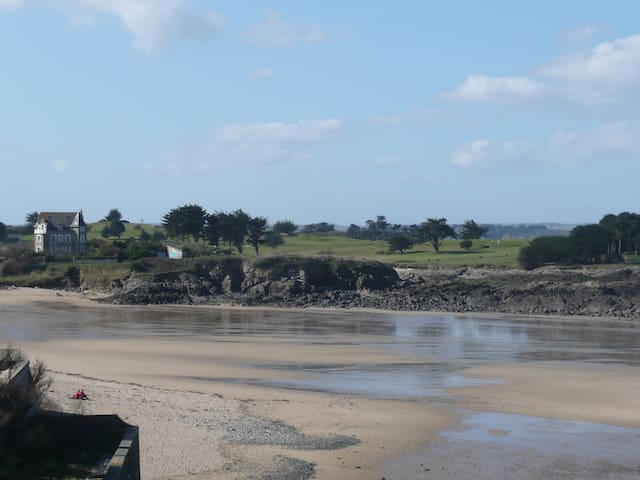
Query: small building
x: 60, y: 233
x: 175, y: 253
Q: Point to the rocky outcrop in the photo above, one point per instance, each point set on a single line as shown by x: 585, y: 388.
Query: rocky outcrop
x: 333, y: 282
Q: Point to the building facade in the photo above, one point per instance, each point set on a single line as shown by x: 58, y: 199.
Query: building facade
x: 60, y: 233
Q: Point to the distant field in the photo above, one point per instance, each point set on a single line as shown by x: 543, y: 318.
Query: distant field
x: 503, y: 252
x: 132, y: 230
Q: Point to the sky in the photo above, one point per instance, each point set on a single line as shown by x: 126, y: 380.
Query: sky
x: 497, y: 111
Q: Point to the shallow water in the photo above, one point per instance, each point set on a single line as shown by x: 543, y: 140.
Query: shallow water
x: 484, y: 445
x: 441, y: 345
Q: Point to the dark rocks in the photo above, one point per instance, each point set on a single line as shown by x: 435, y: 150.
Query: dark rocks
x: 329, y: 282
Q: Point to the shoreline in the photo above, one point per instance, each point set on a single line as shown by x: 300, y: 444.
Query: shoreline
x: 201, y: 417
x: 17, y: 295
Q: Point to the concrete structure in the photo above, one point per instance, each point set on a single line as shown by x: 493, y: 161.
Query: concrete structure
x: 60, y: 233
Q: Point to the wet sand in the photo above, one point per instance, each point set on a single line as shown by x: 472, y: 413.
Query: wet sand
x: 589, y: 393
x: 176, y: 391
x: 202, y: 416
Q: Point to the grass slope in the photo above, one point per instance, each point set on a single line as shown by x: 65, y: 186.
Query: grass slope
x: 503, y: 253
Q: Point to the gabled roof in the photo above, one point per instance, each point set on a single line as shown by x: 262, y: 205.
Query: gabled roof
x: 62, y: 219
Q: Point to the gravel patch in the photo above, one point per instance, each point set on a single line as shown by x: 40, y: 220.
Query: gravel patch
x: 287, y: 468
x: 252, y: 430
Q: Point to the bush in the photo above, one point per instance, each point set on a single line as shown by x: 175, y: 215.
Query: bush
x: 543, y: 250
x: 466, y: 244
x: 19, y: 261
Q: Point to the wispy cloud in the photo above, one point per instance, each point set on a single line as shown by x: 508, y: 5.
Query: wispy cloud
x: 153, y: 23
x: 261, y: 73
x: 265, y: 145
x: 11, y: 3
x: 275, y: 31
x: 607, y: 73
x: 581, y: 33
x: 61, y: 166
x: 561, y: 147
x: 414, y: 116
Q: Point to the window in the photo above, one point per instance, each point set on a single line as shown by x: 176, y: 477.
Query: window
x: 81, y: 238
x: 67, y: 238
x: 39, y: 238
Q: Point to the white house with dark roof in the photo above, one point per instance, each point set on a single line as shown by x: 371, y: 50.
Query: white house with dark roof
x: 60, y: 232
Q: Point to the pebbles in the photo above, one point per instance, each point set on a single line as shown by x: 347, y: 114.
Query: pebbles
x: 252, y: 430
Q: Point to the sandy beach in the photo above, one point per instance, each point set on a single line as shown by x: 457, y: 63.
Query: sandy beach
x: 202, y: 414
x: 193, y: 424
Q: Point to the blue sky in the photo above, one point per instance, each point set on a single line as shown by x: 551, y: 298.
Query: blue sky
x: 499, y: 111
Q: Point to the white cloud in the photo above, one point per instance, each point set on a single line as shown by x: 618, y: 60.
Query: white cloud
x: 60, y: 166
x: 472, y: 154
x: 480, y: 88
x: 414, y: 116
x: 581, y: 33
x: 275, y: 31
x: 261, y: 73
x: 302, y: 131
x: 610, y: 65
x: 266, y: 145
x: 153, y: 23
x: 607, y: 73
x: 561, y: 147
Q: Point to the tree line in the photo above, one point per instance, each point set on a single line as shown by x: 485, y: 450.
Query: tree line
x: 403, y: 237
x: 235, y: 228
x: 605, y: 241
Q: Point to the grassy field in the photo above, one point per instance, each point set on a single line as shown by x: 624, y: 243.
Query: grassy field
x: 501, y: 253
x: 504, y: 252
x: 132, y: 230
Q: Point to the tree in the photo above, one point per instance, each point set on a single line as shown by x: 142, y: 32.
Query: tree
x: 541, y: 250
x: 31, y: 219
x: 184, y: 221
x: 400, y: 242
x: 233, y: 227
x: 3, y: 231
x: 466, y: 244
x: 472, y: 231
x: 158, y: 236
x: 322, y: 227
x: 377, y: 228
x: 623, y: 227
x: 105, y: 232
x: 435, y: 231
x: 273, y: 240
x: 212, y: 229
x: 286, y: 227
x: 116, y: 229
x: 114, y: 215
x: 354, y: 231
x: 144, y: 236
x: 589, y: 243
x: 256, y: 228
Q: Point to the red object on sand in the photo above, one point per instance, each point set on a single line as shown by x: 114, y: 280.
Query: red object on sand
x: 79, y: 395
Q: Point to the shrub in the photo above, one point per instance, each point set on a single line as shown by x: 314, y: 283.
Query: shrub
x: 541, y: 250
x: 466, y: 244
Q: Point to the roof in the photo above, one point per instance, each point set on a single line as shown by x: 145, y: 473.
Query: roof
x: 62, y: 219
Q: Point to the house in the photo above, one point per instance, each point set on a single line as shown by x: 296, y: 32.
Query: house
x: 60, y: 232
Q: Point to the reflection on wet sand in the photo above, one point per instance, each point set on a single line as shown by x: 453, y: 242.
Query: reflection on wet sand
x: 518, y: 370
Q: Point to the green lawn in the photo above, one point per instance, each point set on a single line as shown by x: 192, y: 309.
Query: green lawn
x: 132, y: 230
x: 503, y: 252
